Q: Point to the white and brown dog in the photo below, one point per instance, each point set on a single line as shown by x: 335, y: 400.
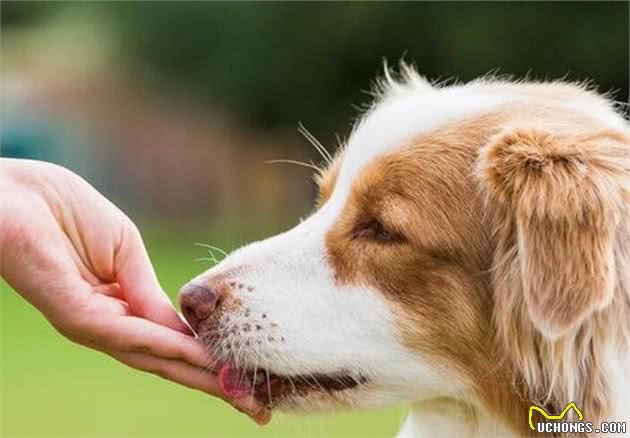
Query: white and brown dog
x: 470, y: 255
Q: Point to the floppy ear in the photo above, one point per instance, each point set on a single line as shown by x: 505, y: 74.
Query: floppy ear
x: 562, y: 197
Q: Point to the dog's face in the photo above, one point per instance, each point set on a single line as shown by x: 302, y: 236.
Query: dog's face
x: 383, y: 294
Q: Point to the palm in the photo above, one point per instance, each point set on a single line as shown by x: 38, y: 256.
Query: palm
x: 82, y: 263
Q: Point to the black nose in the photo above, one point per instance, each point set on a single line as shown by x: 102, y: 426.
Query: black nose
x: 198, y: 303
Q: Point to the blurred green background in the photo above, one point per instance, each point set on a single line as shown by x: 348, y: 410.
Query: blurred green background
x: 171, y: 109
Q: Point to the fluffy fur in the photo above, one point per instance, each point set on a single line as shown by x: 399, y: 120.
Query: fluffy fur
x: 469, y: 256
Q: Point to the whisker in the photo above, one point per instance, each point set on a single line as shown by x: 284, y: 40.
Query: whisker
x: 255, y: 372
x: 318, y: 383
x: 340, y: 142
x: 283, y: 359
x: 238, y: 355
x: 296, y: 162
x: 310, y: 381
x: 214, y: 258
x: 268, y: 385
x: 316, y: 143
x: 212, y: 248
x: 206, y: 259
x: 211, y: 364
x: 294, y: 389
x: 242, y: 375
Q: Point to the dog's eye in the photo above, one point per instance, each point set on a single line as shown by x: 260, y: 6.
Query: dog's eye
x: 374, y: 230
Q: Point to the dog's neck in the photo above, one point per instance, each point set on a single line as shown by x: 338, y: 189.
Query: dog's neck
x: 448, y: 418
x: 618, y: 372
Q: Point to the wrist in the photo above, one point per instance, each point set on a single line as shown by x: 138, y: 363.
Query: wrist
x: 8, y: 188
x: 21, y: 186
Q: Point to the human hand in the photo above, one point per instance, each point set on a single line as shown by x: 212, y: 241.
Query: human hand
x: 80, y: 261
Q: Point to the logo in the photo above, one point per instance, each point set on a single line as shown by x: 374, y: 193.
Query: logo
x: 553, y: 417
x: 555, y: 423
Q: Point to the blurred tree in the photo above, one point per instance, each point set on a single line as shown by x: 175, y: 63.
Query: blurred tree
x: 277, y: 63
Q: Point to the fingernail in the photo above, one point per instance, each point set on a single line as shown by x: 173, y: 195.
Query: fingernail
x: 262, y: 418
x: 253, y: 409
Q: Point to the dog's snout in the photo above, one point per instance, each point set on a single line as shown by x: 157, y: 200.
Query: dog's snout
x: 198, y: 303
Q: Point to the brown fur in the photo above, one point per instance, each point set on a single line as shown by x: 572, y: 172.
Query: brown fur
x: 326, y: 180
x: 508, y: 249
x: 560, y: 224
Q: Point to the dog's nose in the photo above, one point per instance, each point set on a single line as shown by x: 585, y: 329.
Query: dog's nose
x: 198, y: 303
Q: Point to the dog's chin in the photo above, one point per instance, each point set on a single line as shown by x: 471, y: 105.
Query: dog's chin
x: 304, y: 392
x: 320, y: 402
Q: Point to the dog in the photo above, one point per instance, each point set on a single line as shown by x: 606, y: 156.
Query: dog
x: 469, y: 255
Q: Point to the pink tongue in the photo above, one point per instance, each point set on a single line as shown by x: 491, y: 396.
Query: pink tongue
x: 233, y: 381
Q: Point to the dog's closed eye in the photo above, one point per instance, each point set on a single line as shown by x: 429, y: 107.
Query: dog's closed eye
x: 374, y: 230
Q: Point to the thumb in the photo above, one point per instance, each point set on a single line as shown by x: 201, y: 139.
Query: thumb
x: 139, y: 284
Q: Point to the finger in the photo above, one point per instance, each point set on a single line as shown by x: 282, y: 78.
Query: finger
x: 191, y: 377
x: 110, y: 289
x: 262, y: 416
x: 133, y: 334
x: 140, y: 286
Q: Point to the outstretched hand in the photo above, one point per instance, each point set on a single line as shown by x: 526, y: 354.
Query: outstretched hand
x: 78, y: 259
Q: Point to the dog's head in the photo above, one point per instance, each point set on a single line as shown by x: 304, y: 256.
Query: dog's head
x: 451, y: 216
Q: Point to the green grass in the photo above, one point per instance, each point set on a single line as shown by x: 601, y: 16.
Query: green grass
x: 51, y: 387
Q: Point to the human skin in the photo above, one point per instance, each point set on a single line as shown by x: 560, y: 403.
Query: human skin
x: 82, y: 263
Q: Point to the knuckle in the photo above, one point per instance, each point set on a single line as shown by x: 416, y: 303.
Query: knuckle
x: 143, y: 349
x: 159, y: 369
x: 181, y: 353
x: 140, y: 346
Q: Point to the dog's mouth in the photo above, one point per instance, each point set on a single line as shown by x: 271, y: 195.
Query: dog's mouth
x: 269, y: 389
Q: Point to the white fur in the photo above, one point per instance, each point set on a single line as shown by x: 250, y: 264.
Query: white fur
x: 327, y: 328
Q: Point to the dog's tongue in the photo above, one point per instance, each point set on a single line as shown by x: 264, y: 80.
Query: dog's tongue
x: 233, y: 381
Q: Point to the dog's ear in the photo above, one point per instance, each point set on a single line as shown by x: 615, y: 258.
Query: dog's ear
x: 561, y: 198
